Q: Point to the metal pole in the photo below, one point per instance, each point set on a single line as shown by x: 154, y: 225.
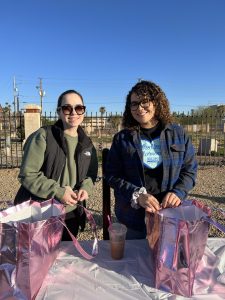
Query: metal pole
x: 106, y: 201
x: 15, y: 96
x: 17, y: 103
x: 41, y: 93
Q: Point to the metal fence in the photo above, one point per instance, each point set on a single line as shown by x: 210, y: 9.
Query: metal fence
x: 206, y: 131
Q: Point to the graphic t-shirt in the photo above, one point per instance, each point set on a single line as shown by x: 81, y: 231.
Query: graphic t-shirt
x: 152, y: 159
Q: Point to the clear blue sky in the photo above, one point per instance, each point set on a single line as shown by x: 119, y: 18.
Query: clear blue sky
x: 102, y: 47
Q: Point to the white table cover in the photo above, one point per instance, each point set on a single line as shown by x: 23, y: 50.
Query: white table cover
x: 72, y: 277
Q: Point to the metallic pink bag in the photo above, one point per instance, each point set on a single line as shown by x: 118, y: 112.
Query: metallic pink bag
x: 30, y: 235
x: 178, y: 237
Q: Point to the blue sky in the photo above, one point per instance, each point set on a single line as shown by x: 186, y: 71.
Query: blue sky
x: 102, y: 47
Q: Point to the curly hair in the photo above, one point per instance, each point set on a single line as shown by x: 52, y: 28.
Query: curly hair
x: 150, y: 90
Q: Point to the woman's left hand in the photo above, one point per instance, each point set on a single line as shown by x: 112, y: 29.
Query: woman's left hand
x: 82, y: 195
x: 170, y: 200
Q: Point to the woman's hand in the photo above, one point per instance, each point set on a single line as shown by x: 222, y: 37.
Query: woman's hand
x: 149, y: 202
x: 170, y: 200
x: 69, y: 197
x: 82, y: 195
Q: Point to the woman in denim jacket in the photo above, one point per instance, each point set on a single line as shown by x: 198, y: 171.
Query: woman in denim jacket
x: 151, y: 163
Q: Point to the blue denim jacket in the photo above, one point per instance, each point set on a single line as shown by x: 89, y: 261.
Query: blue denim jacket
x: 125, y: 170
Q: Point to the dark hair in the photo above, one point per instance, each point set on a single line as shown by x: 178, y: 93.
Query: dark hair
x: 59, y: 103
x: 155, y: 94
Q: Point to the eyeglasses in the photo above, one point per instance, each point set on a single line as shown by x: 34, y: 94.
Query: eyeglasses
x: 68, y: 109
x: 135, y: 104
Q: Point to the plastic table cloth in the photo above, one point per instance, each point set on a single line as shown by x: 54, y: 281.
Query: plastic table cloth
x: 73, y: 277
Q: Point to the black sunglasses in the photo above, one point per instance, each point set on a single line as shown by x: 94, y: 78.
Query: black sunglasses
x: 68, y: 109
x: 135, y: 104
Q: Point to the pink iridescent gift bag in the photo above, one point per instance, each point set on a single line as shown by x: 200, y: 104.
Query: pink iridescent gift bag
x: 178, y: 237
x: 30, y: 234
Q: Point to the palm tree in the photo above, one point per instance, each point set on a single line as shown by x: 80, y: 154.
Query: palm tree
x: 7, y: 107
x: 102, y: 111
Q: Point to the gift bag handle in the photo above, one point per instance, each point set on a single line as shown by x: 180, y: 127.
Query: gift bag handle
x: 219, y: 226
x: 207, y: 209
x: 76, y: 243
x: 90, y: 218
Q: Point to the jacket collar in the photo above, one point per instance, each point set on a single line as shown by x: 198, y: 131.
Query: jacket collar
x: 82, y: 137
x: 133, y: 132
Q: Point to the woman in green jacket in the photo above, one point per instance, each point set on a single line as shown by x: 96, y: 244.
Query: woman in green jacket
x: 60, y: 161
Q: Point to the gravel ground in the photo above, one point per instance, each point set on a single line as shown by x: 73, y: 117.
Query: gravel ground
x: 210, y: 189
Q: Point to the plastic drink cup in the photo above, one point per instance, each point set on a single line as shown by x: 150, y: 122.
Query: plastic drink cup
x: 117, y: 236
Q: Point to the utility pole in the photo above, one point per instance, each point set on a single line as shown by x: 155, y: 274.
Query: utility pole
x: 18, y: 103
x: 41, y: 93
x: 15, y: 96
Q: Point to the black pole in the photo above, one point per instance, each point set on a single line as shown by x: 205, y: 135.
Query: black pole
x: 106, y: 205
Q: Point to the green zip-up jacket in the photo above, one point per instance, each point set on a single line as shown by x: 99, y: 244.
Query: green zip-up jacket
x: 52, y: 160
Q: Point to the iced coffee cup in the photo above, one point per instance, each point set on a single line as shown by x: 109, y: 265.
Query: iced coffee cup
x: 117, y: 236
